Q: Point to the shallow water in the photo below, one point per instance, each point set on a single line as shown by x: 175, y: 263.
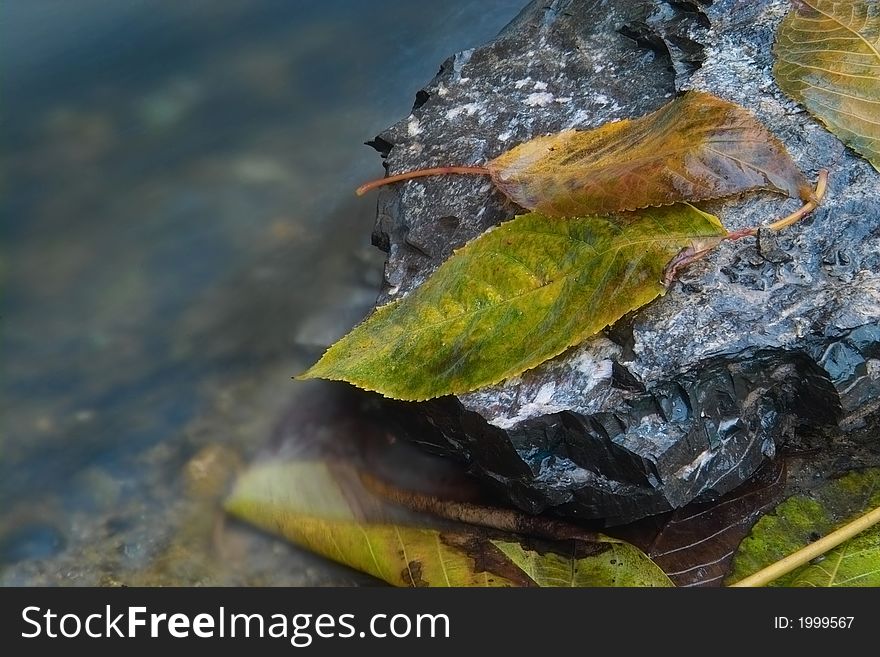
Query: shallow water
x: 180, y: 237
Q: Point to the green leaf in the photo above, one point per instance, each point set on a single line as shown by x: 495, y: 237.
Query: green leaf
x: 612, y: 564
x: 514, y: 297
x: 801, y: 519
x: 320, y: 508
x: 303, y: 502
x: 696, y: 147
x: 398, y: 555
x: 828, y: 59
x: 855, y: 563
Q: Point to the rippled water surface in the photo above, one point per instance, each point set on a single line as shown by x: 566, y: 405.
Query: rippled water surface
x: 179, y: 237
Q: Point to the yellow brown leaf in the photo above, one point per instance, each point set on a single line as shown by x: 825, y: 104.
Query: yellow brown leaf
x: 828, y: 59
x: 304, y: 502
x: 695, y: 147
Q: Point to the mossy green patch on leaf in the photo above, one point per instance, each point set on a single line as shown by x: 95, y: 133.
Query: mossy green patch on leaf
x: 802, y: 519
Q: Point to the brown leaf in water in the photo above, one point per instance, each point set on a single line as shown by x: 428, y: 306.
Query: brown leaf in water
x: 695, y: 545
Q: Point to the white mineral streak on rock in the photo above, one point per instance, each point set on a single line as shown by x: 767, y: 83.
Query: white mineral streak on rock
x: 468, y: 109
x: 540, y: 405
x: 539, y: 99
x: 694, y: 466
x: 413, y: 128
x: 588, y: 367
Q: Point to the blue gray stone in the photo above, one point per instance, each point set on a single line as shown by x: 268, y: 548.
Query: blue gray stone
x: 686, y: 398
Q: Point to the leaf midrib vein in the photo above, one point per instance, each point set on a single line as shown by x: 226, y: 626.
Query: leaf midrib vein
x: 846, y: 27
x: 450, y: 318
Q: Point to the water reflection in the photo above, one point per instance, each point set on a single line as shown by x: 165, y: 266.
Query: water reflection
x: 179, y: 238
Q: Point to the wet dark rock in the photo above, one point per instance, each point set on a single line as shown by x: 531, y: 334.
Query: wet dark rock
x: 686, y: 398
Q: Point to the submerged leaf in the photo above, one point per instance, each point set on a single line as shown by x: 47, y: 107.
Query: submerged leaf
x: 305, y: 502
x: 828, y: 59
x: 513, y: 298
x: 802, y: 519
x: 854, y: 563
x: 613, y: 564
x: 694, y: 545
x: 695, y: 147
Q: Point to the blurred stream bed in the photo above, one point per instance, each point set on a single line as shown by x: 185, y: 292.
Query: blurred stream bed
x: 180, y: 237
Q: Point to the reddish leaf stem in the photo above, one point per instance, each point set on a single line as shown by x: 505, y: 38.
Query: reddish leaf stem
x: 808, y: 207
x: 421, y: 173
x: 699, y: 250
x: 814, y: 202
x: 696, y: 251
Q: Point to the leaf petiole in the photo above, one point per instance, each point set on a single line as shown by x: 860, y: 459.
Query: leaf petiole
x: 814, y: 201
x: 688, y: 255
x: 699, y: 249
x: 808, y: 207
x: 421, y: 173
